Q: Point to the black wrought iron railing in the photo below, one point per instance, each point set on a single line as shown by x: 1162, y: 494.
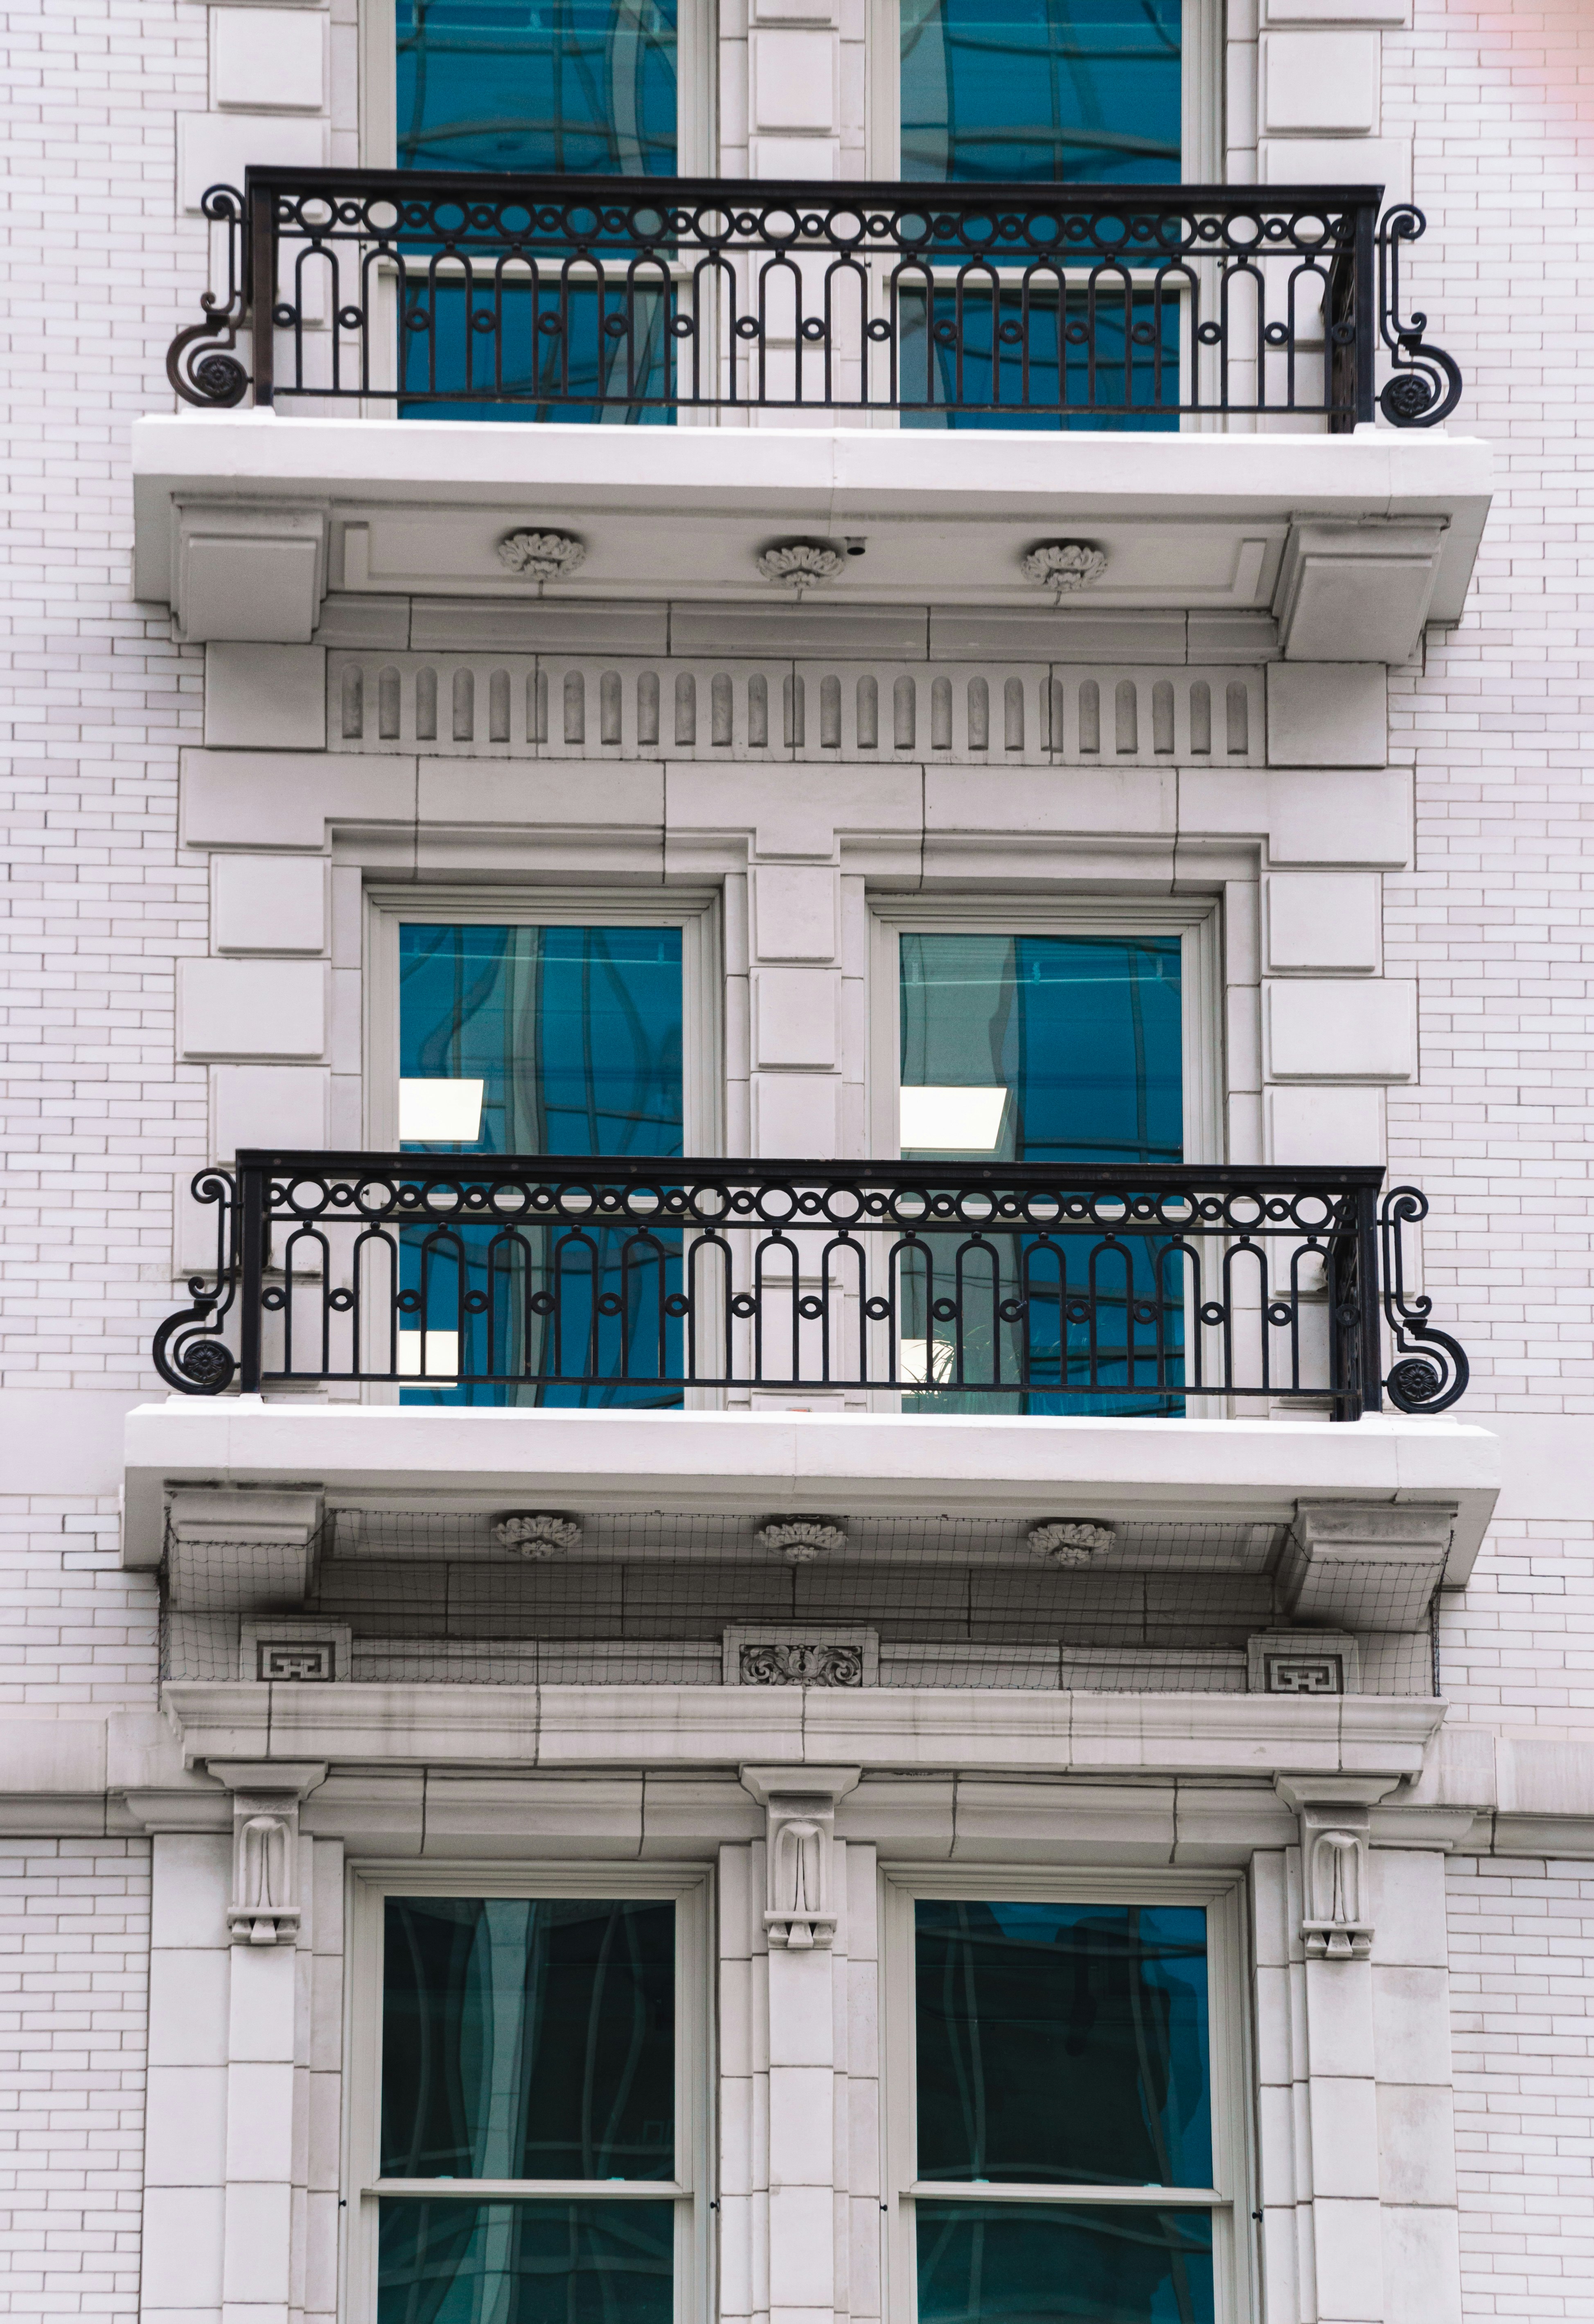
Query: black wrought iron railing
x: 646, y: 299
x: 973, y: 1286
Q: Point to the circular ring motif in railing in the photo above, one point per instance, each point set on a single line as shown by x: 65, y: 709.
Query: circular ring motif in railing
x: 1277, y: 335
x: 206, y: 1364
x: 810, y: 1308
x: 813, y: 328
x: 1415, y: 1382
x: 340, y: 1196
x: 576, y: 1201
x: 1279, y: 1311
x: 374, y: 1196
x: 744, y: 1304
x: 340, y: 1301
x: 483, y: 321
x: 416, y: 318
x: 407, y: 1303
x: 304, y: 1197
x: 1076, y: 1311
x: 748, y: 327
x: 877, y: 329
x: 1210, y: 335
x: 1236, y: 1214
x: 284, y: 315
x: 944, y: 335
x: 877, y: 1310
x: 273, y: 1299
x: 616, y: 326
x: 1075, y: 334
x: 1143, y: 335
x: 944, y: 1311
x: 509, y: 1202
x: 476, y: 1302
x: 1012, y: 1310
x: 682, y: 325
x: 610, y: 1303
x: 1144, y: 1312
x: 1343, y: 334
x: 551, y: 323
x: 1010, y: 334
x: 351, y: 319
x: 440, y: 1199
x: 678, y: 1304
x: 541, y: 1303
x: 1213, y: 1310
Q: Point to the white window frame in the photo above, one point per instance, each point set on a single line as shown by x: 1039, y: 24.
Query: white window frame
x: 696, y: 913
x: 1201, y: 91
x: 696, y: 81
x: 692, y: 2190
x: 1231, y: 2200
x: 1195, y: 919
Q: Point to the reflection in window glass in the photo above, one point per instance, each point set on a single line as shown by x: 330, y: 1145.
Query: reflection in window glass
x: 1083, y: 1032
x: 579, y: 85
x: 996, y: 90
x: 1064, y: 2043
x: 585, y: 2263
x: 577, y: 1033
x: 946, y: 343
x: 528, y: 2038
x: 464, y: 357
x: 1036, y: 2263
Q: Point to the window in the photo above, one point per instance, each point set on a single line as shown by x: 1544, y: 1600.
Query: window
x: 1063, y: 2131
x: 1042, y: 1048
x: 527, y: 2129
x: 581, y: 1030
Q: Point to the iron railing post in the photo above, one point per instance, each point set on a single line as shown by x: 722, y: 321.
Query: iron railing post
x: 1368, y: 1289
x: 260, y: 258
x: 1367, y: 304
x: 253, y: 1231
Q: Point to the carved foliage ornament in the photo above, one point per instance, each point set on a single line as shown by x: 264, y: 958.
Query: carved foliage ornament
x: 1070, y: 1541
x: 800, y: 564
x: 789, y: 1665
x: 801, y: 1540
x: 1062, y: 565
x: 538, y: 1533
x: 541, y: 557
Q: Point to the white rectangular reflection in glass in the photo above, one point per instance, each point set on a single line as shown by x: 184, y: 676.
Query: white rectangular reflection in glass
x: 440, y: 1112
x: 942, y: 1120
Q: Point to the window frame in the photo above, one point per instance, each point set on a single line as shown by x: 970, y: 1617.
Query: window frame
x: 697, y: 914
x: 1201, y: 127
x: 693, y: 2191
x: 697, y: 82
x: 1195, y: 919
x: 1231, y: 2201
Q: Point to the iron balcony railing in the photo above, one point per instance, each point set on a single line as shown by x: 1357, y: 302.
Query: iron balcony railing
x: 651, y: 298
x: 950, y: 1286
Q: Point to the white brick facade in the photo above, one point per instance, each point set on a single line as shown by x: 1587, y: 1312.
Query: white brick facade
x: 1450, y: 958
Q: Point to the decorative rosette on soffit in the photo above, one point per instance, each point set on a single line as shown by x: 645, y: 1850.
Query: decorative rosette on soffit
x: 801, y: 1541
x: 538, y: 1533
x: 1071, y: 1541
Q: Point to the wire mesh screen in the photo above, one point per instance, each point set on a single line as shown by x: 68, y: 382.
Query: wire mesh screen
x: 426, y: 1597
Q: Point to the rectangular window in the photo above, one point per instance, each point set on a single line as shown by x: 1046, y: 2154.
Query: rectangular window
x: 1057, y: 1049
x: 533, y: 2134
x: 1063, y: 2141
x: 575, y: 1032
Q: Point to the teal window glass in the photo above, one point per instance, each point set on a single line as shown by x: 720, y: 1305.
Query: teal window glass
x: 528, y: 2038
x: 459, y: 350
x: 1057, y: 2263
x: 1066, y: 1050
x: 565, y: 86
x: 1114, y: 352
x: 524, y: 2263
x: 1063, y: 2042
x: 995, y: 91
x: 574, y: 1037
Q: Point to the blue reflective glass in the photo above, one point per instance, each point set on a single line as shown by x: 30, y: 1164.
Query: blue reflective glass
x: 576, y: 1035
x: 583, y: 2263
x: 583, y: 86
x: 528, y: 2038
x: 1035, y: 2263
x: 504, y: 341
x: 1063, y: 2041
x: 1084, y: 1035
x: 998, y: 90
x: 948, y: 357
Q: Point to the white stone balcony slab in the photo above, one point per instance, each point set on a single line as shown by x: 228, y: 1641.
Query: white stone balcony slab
x: 1330, y: 549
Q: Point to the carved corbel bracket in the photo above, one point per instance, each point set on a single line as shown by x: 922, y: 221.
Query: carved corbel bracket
x: 264, y: 1908
x: 1336, y: 1814
x: 801, y: 1905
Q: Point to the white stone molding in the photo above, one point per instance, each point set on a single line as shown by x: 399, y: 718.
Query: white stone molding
x: 1370, y: 1565
x: 1070, y: 1541
x: 777, y: 1654
x: 538, y: 1533
x: 1063, y: 566
x: 1303, y: 1663
x: 264, y: 1908
x: 801, y: 1904
x: 801, y: 565
x: 541, y: 557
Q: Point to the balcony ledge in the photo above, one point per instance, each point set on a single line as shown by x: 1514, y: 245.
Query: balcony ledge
x: 731, y: 1464
x: 1299, y: 526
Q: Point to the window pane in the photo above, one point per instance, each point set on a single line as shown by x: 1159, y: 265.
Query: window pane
x: 528, y: 2038
x: 540, y: 84
x: 577, y: 1033
x: 443, y: 2263
x: 1084, y: 1033
x: 504, y: 341
x: 1023, y: 2264
x: 1041, y: 89
x: 1112, y: 354
x: 1063, y: 2041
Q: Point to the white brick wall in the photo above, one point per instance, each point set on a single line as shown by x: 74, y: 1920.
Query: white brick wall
x: 75, y: 1630
x: 1522, y: 2004
x: 74, y: 1980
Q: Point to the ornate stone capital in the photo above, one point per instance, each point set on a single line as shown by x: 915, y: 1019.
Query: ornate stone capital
x: 1335, y: 1813
x: 801, y: 1905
